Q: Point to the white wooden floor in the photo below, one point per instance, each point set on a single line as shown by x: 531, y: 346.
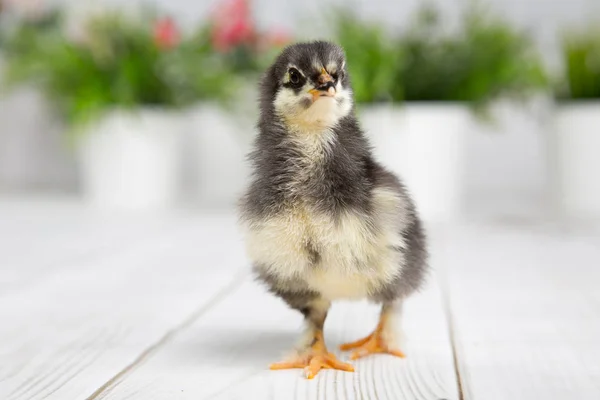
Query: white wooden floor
x: 130, y: 307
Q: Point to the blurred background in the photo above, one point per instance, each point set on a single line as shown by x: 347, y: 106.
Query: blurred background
x: 489, y: 110
x: 124, y: 127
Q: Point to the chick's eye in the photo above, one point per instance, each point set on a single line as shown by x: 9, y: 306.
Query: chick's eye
x: 294, y: 76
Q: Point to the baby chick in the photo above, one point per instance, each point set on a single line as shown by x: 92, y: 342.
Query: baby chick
x: 323, y: 220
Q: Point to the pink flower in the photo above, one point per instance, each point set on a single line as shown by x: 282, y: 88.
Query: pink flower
x: 232, y: 25
x: 166, y: 34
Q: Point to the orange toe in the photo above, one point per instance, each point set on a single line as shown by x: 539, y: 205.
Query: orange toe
x: 372, y: 344
x: 287, y: 365
x: 325, y: 361
x: 369, y: 349
x: 313, y: 363
x: 396, y: 352
x: 354, y: 345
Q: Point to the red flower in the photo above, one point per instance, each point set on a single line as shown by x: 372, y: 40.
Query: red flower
x: 233, y: 25
x: 166, y: 34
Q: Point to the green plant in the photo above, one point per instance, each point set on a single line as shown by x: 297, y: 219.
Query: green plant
x: 116, y: 61
x: 18, y: 30
x: 581, y: 56
x: 372, y: 57
x: 486, y: 58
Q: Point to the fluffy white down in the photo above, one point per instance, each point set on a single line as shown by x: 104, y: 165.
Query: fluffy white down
x: 356, y: 259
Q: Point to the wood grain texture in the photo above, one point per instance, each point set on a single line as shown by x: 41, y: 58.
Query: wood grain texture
x: 225, y: 354
x: 525, y: 308
x: 122, y: 307
x: 67, y: 335
x: 41, y: 238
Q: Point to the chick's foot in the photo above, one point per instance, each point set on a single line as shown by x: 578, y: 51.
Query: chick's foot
x: 376, y: 343
x: 313, y: 363
x: 313, y: 359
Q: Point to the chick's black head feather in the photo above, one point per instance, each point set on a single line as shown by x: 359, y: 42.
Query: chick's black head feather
x: 307, y: 76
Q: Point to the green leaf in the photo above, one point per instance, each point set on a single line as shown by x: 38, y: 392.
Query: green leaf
x: 115, y: 64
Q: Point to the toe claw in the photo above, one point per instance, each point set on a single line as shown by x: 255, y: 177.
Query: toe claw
x: 316, y: 364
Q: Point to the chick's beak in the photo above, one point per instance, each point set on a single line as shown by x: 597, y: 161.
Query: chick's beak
x: 326, y: 86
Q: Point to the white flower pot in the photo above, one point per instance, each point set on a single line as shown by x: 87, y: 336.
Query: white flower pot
x: 577, y: 158
x: 424, y: 143
x: 221, y: 142
x: 131, y: 160
x: 33, y: 154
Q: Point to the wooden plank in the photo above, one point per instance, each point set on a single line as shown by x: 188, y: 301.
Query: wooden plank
x: 65, y: 336
x: 225, y: 355
x: 41, y: 238
x: 525, y: 310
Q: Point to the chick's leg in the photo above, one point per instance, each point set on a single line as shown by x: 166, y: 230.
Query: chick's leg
x: 383, y: 338
x: 311, y: 353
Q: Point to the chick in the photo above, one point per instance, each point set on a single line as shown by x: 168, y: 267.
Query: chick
x: 323, y: 220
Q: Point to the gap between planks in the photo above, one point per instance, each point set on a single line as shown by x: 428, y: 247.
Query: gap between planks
x: 106, y: 388
x: 447, y: 308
